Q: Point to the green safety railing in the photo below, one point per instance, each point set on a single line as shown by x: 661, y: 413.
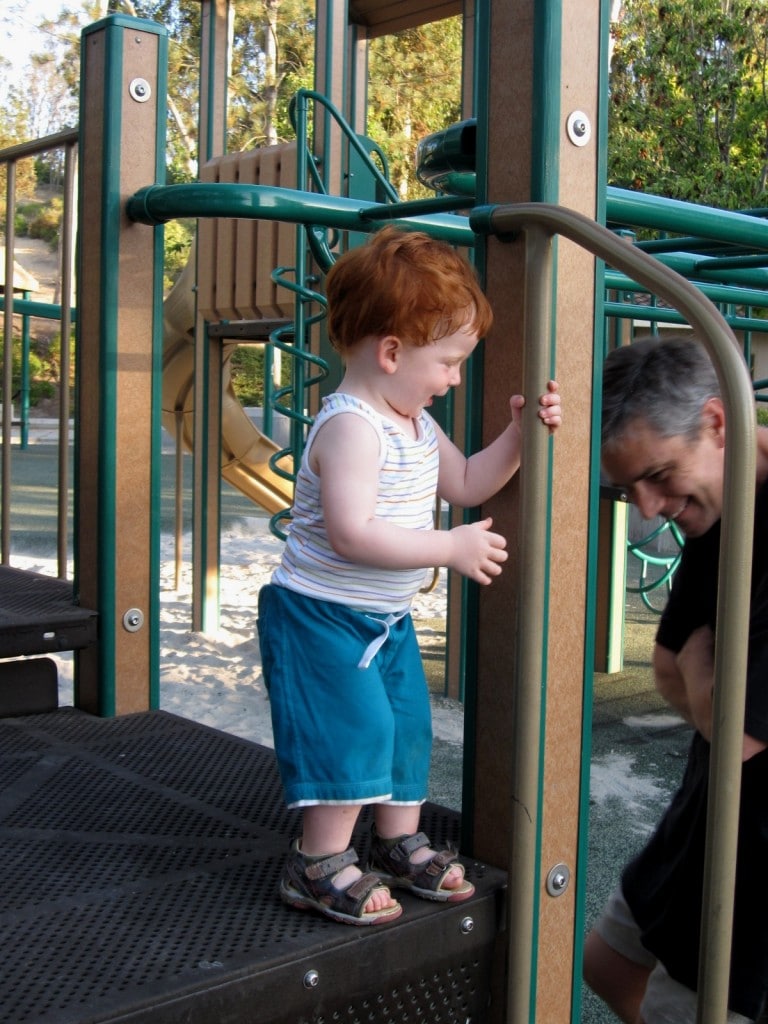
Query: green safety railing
x: 664, y: 565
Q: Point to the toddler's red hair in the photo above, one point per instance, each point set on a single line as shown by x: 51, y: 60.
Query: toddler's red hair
x: 405, y: 284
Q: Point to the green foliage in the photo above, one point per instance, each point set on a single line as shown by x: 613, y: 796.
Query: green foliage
x: 47, y: 222
x: 247, y: 370
x: 178, y: 241
x: 273, y: 57
x: 25, y: 213
x: 41, y: 384
x: 415, y: 89
x: 688, y: 115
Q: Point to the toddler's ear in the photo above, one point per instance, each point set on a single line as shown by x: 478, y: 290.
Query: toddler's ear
x: 388, y: 352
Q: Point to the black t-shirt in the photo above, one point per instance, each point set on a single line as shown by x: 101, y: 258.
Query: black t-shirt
x: 663, y: 884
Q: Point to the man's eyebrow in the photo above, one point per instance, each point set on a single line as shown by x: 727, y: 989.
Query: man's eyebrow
x: 645, y: 474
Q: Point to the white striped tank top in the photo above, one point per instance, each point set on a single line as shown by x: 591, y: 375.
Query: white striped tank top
x: 407, y: 486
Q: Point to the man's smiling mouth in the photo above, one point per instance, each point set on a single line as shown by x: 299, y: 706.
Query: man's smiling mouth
x: 676, y: 516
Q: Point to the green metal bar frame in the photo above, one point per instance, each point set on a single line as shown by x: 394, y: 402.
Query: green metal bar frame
x: 158, y: 204
x: 704, y: 222
x: 7, y: 392
x: 734, y: 572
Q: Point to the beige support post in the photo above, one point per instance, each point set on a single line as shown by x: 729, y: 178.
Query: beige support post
x: 511, y: 88
x: 332, y: 50
x: 214, y: 49
x: 115, y: 546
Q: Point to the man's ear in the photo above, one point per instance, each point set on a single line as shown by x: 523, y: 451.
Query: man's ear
x: 713, y: 418
x: 388, y: 352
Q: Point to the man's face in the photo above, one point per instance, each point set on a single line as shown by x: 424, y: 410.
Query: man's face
x: 673, y: 477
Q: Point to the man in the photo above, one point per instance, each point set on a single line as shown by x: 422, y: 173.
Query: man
x: 663, y: 442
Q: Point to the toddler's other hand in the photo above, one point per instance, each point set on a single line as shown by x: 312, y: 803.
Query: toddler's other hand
x: 478, y: 553
x: 549, y: 406
x: 550, y: 411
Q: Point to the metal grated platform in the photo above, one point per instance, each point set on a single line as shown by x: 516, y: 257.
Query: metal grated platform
x: 140, y: 858
x: 38, y: 615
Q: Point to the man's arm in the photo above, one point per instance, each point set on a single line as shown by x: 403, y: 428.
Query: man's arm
x: 669, y: 681
x: 686, y: 681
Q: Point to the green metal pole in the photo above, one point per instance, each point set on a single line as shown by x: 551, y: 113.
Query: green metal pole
x: 641, y: 210
x: 5, y: 479
x: 157, y: 204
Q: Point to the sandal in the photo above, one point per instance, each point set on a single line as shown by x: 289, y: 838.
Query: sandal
x: 307, y: 884
x: 390, y: 859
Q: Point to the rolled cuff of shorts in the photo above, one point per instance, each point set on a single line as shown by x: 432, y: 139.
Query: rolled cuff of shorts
x: 617, y: 927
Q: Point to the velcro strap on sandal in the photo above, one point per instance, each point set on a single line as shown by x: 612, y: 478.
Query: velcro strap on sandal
x: 363, y: 887
x: 442, y: 860
x: 407, y: 846
x: 315, y: 869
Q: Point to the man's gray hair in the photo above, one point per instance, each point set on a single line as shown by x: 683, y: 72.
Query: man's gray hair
x: 663, y: 382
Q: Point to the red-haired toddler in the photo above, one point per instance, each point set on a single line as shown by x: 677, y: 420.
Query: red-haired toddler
x: 349, y: 699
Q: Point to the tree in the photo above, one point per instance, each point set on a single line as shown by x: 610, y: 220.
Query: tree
x: 688, y: 115
x: 415, y: 89
x: 272, y: 58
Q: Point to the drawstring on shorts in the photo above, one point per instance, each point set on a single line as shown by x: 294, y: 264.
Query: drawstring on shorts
x: 378, y: 642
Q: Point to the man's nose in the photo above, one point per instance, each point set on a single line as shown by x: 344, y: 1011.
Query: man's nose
x: 647, y: 499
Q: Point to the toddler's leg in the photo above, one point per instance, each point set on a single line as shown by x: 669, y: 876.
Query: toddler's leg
x: 327, y: 830
x: 321, y: 872
x: 400, y: 864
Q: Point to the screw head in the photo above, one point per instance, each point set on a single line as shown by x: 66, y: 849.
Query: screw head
x: 558, y: 879
x: 140, y: 90
x: 579, y: 128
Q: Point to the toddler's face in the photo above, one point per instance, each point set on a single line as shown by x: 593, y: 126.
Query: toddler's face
x: 429, y: 371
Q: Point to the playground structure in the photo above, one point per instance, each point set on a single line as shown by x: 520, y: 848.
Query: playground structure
x: 528, y: 723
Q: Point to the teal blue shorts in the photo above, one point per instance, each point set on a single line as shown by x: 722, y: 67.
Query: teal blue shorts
x: 344, y: 734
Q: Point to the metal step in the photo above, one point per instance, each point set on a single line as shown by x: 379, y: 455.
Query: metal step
x: 140, y: 858
x: 38, y: 615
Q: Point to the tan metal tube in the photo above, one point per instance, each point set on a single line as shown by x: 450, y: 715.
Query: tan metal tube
x: 7, y: 394
x: 733, y: 592
x: 67, y: 289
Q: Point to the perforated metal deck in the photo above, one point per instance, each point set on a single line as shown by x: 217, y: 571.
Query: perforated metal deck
x: 140, y: 858
x: 38, y: 615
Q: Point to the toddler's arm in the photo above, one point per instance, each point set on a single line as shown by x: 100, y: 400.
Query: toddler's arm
x: 345, y: 455
x: 467, y: 482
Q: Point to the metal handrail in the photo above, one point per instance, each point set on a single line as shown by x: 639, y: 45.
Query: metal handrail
x: 540, y: 223
x: 9, y: 156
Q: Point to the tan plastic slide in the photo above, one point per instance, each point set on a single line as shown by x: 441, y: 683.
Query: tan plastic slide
x: 245, y: 450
